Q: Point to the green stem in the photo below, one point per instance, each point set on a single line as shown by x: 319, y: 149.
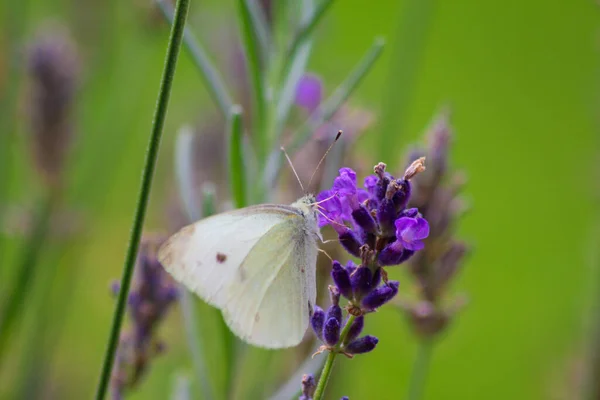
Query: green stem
x: 25, y: 269
x: 255, y: 71
x: 181, y: 11
x: 420, y: 370
x: 324, y: 378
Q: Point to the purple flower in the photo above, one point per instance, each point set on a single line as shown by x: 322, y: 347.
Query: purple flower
x: 363, y: 345
x: 371, y: 186
x: 317, y: 321
x: 334, y: 212
x: 309, y: 92
x: 345, y: 186
x: 331, y: 331
x: 380, y: 296
x: 152, y: 294
x: 355, y: 329
x: 308, y: 387
x: 341, y: 278
x: 411, y: 231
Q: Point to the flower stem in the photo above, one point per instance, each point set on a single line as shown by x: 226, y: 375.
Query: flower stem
x: 19, y: 292
x: 181, y: 11
x: 320, y: 391
x: 420, y: 370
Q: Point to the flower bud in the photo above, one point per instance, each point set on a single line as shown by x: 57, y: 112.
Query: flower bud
x: 361, y: 282
x: 341, y: 278
x: 349, y: 241
x: 331, y: 331
x: 317, y: 321
x: 355, y: 329
x: 363, y: 345
x: 364, y: 220
x: 380, y: 296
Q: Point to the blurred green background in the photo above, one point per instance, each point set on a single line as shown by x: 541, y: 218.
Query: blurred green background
x: 520, y: 77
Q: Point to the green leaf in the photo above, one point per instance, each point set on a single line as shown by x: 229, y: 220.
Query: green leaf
x: 297, y: 66
x: 237, y: 164
x: 209, y: 73
x: 248, y: 27
x: 306, y: 29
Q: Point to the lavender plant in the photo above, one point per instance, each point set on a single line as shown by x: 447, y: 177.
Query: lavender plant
x: 435, y: 193
x: 52, y: 72
x: 151, y: 297
x: 275, y: 71
x: 375, y: 225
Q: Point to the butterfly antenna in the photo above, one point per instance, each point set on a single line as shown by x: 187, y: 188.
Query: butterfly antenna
x: 317, y: 204
x: 324, y: 252
x: 293, y: 169
x: 329, y: 219
x: 324, y: 155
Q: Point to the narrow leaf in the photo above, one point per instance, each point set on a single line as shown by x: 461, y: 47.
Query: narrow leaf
x: 306, y: 29
x: 255, y: 70
x: 297, y: 67
x: 237, y: 165
x: 261, y: 29
x: 209, y: 73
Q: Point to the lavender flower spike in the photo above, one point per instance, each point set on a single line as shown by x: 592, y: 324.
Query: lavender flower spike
x: 308, y: 387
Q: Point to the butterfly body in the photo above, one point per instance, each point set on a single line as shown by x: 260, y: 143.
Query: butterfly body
x: 256, y: 264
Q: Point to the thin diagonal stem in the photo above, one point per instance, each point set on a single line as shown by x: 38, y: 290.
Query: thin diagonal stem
x: 420, y: 370
x: 181, y: 11
x: 327, y: 368
x: 306, y: 29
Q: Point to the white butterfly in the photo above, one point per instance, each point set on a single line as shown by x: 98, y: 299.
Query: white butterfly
x: 257, y: 264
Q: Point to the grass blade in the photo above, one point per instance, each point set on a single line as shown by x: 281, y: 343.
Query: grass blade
x: 324, y: 112
x: 303, y: 35
x: 26, y: 269
x: 255, y: 70
x: 237, y: 166
x: 297, y: 66
x: 175, y: 38
x: 209, y: 73
x: 261, y: 29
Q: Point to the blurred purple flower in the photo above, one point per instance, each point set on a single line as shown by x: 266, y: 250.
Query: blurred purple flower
x: 435, y: 194
x: 309, y: 92
x: 150, y: 298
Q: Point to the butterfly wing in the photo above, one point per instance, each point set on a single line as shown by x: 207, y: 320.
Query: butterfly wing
x: 277, y: 312
x: 256, y: 264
